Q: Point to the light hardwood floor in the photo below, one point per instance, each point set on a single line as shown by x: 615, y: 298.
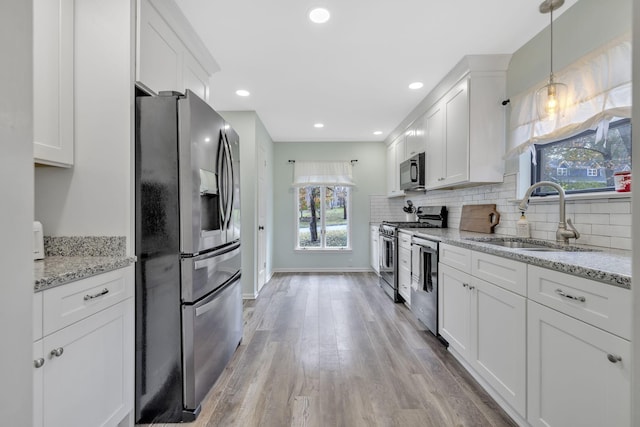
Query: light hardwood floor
x: 324, y: 350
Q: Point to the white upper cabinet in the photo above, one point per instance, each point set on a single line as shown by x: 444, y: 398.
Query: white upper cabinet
x: 465, y: 125
x: 53, y: 121
x: 415, y: 138
x: 395, y: 155
x: 170, y: 56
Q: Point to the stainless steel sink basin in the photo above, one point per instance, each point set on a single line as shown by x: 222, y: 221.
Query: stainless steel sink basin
x: 529, y: 244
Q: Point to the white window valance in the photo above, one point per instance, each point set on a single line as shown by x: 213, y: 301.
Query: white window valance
x: 599, y: 90
x: 326, y: 173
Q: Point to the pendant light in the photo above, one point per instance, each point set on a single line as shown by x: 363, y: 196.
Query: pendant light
x: 551, y: 98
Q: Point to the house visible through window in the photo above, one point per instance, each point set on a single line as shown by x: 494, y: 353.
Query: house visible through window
x: 323, y: 220
x: 582, y: 163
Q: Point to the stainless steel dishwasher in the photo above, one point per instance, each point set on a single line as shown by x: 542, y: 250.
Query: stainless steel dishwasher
x: 424, y: 282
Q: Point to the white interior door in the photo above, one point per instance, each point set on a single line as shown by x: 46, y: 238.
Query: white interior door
x: 262, y: 219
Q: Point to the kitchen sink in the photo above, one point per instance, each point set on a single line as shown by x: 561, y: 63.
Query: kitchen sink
x: 529, y: 244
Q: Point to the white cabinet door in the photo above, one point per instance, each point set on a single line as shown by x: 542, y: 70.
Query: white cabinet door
x: 90, y: 382
x: 393, y: 167
x: 404, y: 273
x: 453, y: 308
x: 194, y: 77
x: 159, y: 62
x: 38, y: 383
x: 574, y: 375
x: 53, y: 76
x: 498, y: 341
x: 415, y: 138
x: 456, y: 159
x: 434, y: 129
x: 375, y: 249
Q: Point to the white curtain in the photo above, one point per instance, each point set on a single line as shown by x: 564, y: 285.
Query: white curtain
x: 599, y: 89
x: 325, y: 173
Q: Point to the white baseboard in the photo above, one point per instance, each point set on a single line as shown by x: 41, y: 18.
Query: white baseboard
x: 250, y: 296
x: 323, y: 270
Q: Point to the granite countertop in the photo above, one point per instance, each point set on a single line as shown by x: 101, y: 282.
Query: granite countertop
x: 57, y: 270
x: 73, y: 258
x: 604, y: 265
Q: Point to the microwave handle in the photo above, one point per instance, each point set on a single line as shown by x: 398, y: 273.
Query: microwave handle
x: 414, y: 172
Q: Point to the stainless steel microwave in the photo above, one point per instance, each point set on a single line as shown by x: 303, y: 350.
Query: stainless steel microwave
x: 412, y: 173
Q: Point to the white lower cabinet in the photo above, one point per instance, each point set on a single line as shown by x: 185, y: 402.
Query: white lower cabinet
x: 552, y: 348
x: 404, y: 266
x: 454, y: 308
x: 83, y: 371
x: 498, y: 341
x: 579, y: 375
x: 485, y: 326
x: 375, y: 248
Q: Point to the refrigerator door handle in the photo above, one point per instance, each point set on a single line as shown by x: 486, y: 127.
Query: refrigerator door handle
x: 221, y: 183
x: 217, y: 257
x: 228, y: 182
x: 210, y: 301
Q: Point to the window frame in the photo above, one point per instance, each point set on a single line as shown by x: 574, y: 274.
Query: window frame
x: 322, y: 229
x: 535, y: 169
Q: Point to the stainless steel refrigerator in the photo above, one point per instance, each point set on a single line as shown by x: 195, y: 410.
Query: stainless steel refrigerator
x: 188, y: 294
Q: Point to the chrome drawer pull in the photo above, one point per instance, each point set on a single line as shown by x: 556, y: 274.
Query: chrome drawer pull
x: 614, y: 358
x: 562, y: 294
x: 38, y: 363
x: 99, y: 294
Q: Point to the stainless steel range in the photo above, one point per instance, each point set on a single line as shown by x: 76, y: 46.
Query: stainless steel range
x: 428, y: 217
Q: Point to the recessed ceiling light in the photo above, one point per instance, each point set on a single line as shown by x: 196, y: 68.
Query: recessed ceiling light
x: 416, y: 85
x: 319, y: 15
x: 318, y: 125
x: 378, y: 132
x: 242, y: 92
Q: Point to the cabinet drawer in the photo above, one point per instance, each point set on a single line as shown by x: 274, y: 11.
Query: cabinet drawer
x: 70, y: 303
x: 404, y: 258
x: 506, y: 273
x: 601, y: 305
x: 455, y: 257
x: 404, y: 241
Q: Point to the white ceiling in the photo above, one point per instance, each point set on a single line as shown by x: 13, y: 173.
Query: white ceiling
x: 352, y: 73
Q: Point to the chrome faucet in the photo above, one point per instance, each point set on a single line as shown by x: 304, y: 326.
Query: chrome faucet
x: 566, y: 230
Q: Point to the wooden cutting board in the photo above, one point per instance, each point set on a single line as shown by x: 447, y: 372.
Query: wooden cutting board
x: 479, y: 218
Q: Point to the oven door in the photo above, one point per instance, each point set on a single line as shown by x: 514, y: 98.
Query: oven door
x: 387, y: 260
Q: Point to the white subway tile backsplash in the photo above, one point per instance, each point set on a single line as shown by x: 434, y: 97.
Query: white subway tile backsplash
x: 604, y: 223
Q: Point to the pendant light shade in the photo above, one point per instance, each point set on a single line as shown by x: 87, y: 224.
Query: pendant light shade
x: 551, y: 99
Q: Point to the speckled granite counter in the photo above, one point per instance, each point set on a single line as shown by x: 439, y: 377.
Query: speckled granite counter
x: 74, y: 258
x: 608, y: 266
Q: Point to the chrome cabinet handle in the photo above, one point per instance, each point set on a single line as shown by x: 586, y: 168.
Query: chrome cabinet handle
x: 614, y: 358
x: 471, y: 288
x: 464, y: 285
x: 38, y: 363
x: 562, y: 294
x: 56, y: 352
x: 99, y: 294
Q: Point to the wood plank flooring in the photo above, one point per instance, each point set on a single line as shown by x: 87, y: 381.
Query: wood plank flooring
x: 325, y: 350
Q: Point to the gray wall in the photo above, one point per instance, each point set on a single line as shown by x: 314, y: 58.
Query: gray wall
x: 252, y: 135
x: 370, y: 178
x: 16, y: 214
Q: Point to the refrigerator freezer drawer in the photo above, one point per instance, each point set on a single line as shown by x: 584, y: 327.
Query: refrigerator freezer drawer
x: 205, y: 273
x: 212, y: 330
